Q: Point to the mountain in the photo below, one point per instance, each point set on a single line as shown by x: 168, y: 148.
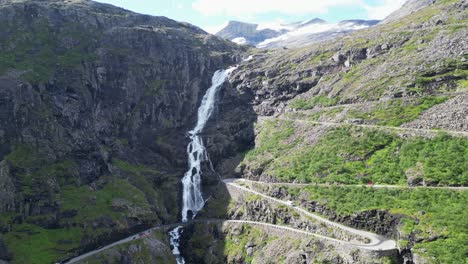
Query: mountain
x: 289, y: 35
x: 337, y: 122
x: 245, y: 33
x: 95, y: 103
x: 351, y: 150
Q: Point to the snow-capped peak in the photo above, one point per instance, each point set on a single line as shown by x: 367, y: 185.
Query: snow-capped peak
x: 280, y: 34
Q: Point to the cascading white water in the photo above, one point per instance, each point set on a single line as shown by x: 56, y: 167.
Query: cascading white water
x: 192, y: 196
x: 192, y: 199
x: 174, y: 235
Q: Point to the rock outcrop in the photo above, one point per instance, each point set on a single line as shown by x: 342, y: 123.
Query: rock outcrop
x: 94, y: 98
x: 248, y: 32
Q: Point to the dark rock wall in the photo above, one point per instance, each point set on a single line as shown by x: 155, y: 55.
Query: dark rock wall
x: 88, y: 85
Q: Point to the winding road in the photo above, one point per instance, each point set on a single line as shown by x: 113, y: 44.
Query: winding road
x: 376, y: 186
x: 377, y: 242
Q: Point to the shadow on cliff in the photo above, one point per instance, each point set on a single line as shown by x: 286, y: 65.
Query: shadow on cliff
x: 205, y: 242
x: 228, y: 136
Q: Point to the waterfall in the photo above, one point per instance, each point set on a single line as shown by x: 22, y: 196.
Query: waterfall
x: 192, y: 199
x: 174, y: 241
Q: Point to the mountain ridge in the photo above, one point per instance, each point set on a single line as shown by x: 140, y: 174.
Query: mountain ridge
x: 289, y: 34
x: 96, y: 102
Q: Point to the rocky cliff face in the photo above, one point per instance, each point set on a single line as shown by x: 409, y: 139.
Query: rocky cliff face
x: 386, y: 62
x: 94, y: 102
x: 247, y: 31
x: 238, y: 243
x: 377, y: 221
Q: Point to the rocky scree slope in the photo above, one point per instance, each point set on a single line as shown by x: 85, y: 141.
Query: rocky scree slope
x: 422, y: 54
x: 94, y: 104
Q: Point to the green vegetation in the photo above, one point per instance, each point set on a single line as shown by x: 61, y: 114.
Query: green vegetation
x: 273, y: 133
x: 357, y: 155
x: 229, y: 244
x: 450, y: 72
x: 321, y: 57
x: 397, y: 112
x: 144, y: 178
x: 35, y: 245
x: 236, y: 245
x: 310, y: 103
x: 36, y: 49
x: 462, y: 85
x: 455, y: 28
x: 325, y: 113
x: 218, y: 205
x: 142, y: 251
x: 31, y: 243
x: 440, y: 214
x: 91, y: 204
x: 37, y: 173
x: 25, y: 157
x: 47, y: 183
x: 133, y: 169
x: 418, y: 41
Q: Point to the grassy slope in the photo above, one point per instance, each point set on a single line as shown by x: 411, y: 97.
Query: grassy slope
x: 53, y: 184
x: 357, y: 155
x: 290, y: 151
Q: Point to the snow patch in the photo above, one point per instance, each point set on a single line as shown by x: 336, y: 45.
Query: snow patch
x: 240, y: 40
x: 313, y: 29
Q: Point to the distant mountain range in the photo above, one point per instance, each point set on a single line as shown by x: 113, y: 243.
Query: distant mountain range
x: 289, y: 35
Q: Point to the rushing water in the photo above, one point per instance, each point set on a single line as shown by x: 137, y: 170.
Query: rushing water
x: 174, y: 240
x: 192, y: 199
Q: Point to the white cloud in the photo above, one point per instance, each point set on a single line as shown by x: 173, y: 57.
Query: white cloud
x: 383, y: 9
x: 252, y: 7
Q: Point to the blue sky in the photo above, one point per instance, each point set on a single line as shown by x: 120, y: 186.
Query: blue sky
x: 211, y: 15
